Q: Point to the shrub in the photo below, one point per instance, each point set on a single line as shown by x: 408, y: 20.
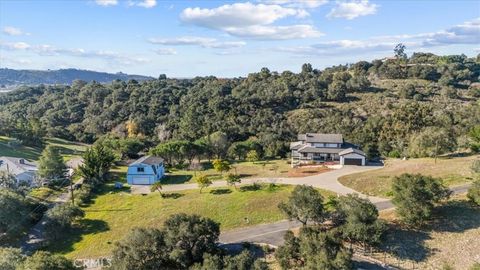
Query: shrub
x: 233, y: 179
x: 45, y: 260
x: 474, y: 193
x: 60, y: 218
x: 415, y: 196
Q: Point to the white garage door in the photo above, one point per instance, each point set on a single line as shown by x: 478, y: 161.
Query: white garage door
x: 140, y: 180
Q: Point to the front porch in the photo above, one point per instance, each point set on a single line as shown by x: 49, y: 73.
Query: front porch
x: 299, y: 159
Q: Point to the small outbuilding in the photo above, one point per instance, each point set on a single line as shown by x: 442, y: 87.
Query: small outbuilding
x: 145, y: 171
x: 352, y: 156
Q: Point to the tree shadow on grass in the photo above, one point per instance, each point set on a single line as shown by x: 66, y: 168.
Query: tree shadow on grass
x: 75, y: 235
x: 454, y: 216
x: 252, y: 187
x: 220, y: 191
x: 406, y: 243
x: 172, y: 195
x: 109, y: 188
x: 176, y: 179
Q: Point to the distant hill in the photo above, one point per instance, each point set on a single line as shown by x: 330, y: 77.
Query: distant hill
x: 10, y: 77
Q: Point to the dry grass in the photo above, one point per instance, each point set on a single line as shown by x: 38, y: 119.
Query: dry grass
x: 452, y: 238
x: 453, y: 171
x: 307, y: 171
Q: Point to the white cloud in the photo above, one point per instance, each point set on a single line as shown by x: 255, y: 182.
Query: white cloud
x: 275, y: 32
x: 166, y: 51
x: 236, y: 15
x: 49, y: 50
x: 298, y: 3
x: 15, y: 45
x: 250, y: 20
x: 352, y: 9
x: 197, y: 41
x: 13, y: 31
x: 467, y: 33
x: 144, y: 3
x: 106, y: 3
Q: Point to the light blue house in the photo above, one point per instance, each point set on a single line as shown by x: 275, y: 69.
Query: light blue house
x: 145, y: 171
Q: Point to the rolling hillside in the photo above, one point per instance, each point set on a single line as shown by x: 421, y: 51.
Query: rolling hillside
x: 9, y: 77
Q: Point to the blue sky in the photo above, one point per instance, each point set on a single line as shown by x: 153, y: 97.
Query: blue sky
x: 226, y: 38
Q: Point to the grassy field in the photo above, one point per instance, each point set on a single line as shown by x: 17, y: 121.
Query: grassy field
x: 451, y: 239
x: 113, y: 213
x: 68, y: 149
x: 453, y: 171
x: 273, y: 168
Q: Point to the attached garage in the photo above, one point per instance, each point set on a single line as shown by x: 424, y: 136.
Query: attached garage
x: 352, y: 156
x: 140, y: 180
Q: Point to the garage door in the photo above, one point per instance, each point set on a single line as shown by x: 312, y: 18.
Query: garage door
x: 140, y: 180
x: 353, y: 161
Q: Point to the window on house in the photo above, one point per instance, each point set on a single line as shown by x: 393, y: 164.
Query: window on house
x: 140, y: 169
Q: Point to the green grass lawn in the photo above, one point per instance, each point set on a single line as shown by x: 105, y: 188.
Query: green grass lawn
x: 67, y: 149
x: 453, y: 171
x: 44, y: 193
x: 112, y: 214
x: 271, y: 168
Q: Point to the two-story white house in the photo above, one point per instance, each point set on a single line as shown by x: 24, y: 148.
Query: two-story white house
x: 23, y: 170
x: 145, y: 171
x: 322, y: 148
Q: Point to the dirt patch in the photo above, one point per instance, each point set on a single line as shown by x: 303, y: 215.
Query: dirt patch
x: 451, y: 238
x: 307, y: 171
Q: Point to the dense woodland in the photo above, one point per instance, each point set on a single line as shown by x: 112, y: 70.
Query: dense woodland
x: 394, y: 107
x: 62, y: 76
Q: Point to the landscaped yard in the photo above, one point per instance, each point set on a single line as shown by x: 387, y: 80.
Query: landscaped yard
x: 263, y: 169
x: 272, y: 168
x: 67, y: 149
x: 114, y: 213
x: 451, y: 239
x: 453, y: 171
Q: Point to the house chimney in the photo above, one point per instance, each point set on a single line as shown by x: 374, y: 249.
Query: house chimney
x: 21, y: 161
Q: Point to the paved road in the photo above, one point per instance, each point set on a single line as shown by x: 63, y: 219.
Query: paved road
x: 273, y: 233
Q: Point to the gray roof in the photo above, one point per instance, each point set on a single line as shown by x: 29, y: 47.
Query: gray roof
x: 17, y: 166
x: 149, y: 160
x: 352, y: 150
x: 296, y: 145
x: 311, y: 149
x: 321, y: 138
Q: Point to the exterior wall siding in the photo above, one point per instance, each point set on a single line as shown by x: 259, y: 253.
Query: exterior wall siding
x: 132, y: 172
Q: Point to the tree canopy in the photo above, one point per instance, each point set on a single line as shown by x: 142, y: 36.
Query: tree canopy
x: 304, y: 204
x: 361, y: 100
x: 415, y: 196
